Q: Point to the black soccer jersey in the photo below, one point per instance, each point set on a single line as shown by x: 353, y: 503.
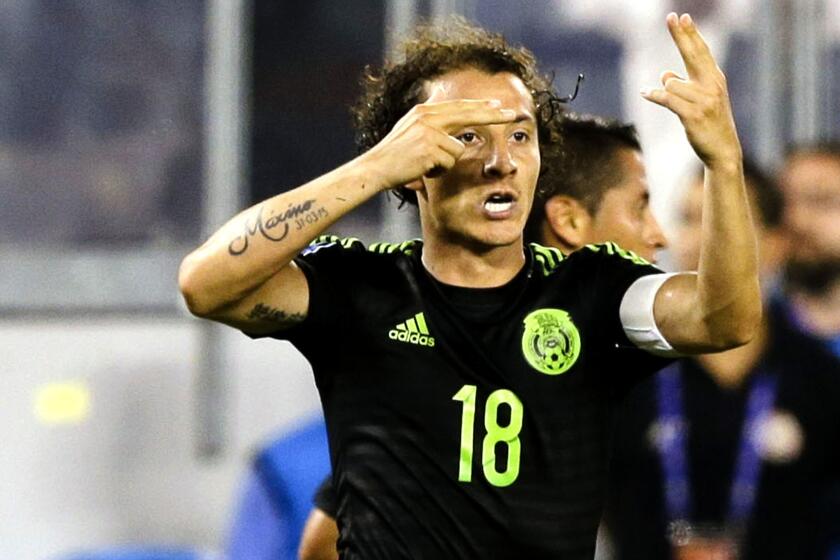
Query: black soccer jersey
x: 325, y: 498
x: 468, y: 423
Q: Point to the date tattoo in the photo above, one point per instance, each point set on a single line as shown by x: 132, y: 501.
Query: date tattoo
x: 264, y: 312
x: 276, y: 227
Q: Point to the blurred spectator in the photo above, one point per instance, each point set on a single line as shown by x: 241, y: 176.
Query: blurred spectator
x: 811, y: 183
x: 730, y: 453
x: 100, y: 109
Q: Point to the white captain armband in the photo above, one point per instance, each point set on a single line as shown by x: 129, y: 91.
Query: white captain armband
x: 636, y: 312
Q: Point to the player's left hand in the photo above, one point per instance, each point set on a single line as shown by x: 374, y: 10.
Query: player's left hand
x: 701, y: 100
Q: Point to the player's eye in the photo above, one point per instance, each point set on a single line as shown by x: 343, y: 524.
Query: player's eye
x: 520, y: 136
x: 468, y: 137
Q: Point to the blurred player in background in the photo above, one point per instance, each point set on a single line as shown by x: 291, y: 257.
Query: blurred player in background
x: 492, y: 443
x: 595, y: 190
x: 729, y: 455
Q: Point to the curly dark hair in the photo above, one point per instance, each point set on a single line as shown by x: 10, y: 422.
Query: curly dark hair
x: 430, y: 52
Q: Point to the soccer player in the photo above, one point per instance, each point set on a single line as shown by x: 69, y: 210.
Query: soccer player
x: 467, y: 380
x: 594, y: 190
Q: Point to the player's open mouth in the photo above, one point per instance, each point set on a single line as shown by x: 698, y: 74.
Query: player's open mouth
x: 499, y: 205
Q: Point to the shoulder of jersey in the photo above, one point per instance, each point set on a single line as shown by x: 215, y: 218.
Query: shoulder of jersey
x: 610, y: 248
x: 354, y: 244
x: 548, y: 259
x: 332, y: 241
x: 406, y: 247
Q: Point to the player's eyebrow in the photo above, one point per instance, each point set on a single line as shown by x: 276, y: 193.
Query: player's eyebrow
x: 522, y: 117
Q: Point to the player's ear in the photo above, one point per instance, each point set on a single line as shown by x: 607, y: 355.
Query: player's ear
x: 568, y: 220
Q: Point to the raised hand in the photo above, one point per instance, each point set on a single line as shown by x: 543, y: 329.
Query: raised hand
x: 421, y: 141
x: 701, y: 99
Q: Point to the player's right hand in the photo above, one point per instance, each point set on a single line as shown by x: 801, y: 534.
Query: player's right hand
x: 421, y: 142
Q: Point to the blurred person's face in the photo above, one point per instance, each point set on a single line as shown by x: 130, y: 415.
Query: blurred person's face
x: 772, y: 245
x: 811, y: 184
x: 624, y: 214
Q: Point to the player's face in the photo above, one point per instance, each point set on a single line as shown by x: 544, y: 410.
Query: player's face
x: 624, y: 215
x: 485, y: 198
x: 811, y: 186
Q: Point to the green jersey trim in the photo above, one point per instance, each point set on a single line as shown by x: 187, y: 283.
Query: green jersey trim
x: 612, y: 249
x: 406, y: 247
x: 345, y: 242
x: 549, y: 258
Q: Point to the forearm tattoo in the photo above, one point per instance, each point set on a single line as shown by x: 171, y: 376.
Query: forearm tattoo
x: 263, y: 312
x: 276, y: 226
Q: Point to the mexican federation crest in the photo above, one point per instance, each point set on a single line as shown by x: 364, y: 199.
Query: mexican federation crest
x: 550, y: 341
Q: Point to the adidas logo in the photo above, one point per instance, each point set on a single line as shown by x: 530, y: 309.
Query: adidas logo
x: 413, y: 331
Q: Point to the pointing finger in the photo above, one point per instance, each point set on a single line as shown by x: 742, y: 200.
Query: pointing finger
x: 684, y: 45
x: 457, y: 105
x: 701, y: 47
x: 451, y: 145
x: 693, y: 49
x: 457, y: 115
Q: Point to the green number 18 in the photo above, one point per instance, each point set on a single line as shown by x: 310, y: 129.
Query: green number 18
x: 508, y: 435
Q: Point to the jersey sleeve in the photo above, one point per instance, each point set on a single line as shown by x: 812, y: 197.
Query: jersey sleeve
x: 330, y: 265
x: 325, y: 498
x: 612, y: 271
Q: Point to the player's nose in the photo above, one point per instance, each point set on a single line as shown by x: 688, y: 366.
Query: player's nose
x: 499, y: 161
x: 656, y: 237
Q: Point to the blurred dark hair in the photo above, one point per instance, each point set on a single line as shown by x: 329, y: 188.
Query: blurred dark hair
x: 584, y: 166
x: 430, y: 52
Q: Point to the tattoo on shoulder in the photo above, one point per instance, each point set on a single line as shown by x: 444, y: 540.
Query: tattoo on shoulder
x: 277, y: 226
x: 266, y: 313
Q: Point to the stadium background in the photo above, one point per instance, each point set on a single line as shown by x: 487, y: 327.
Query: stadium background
x: 129, y: 129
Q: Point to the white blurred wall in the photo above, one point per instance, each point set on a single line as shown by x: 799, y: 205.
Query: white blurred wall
x: 127, y: 472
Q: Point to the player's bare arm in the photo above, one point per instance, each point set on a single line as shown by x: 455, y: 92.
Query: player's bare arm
x: 320, y: 534
x: 243, y: 275
x: 720, y: 307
